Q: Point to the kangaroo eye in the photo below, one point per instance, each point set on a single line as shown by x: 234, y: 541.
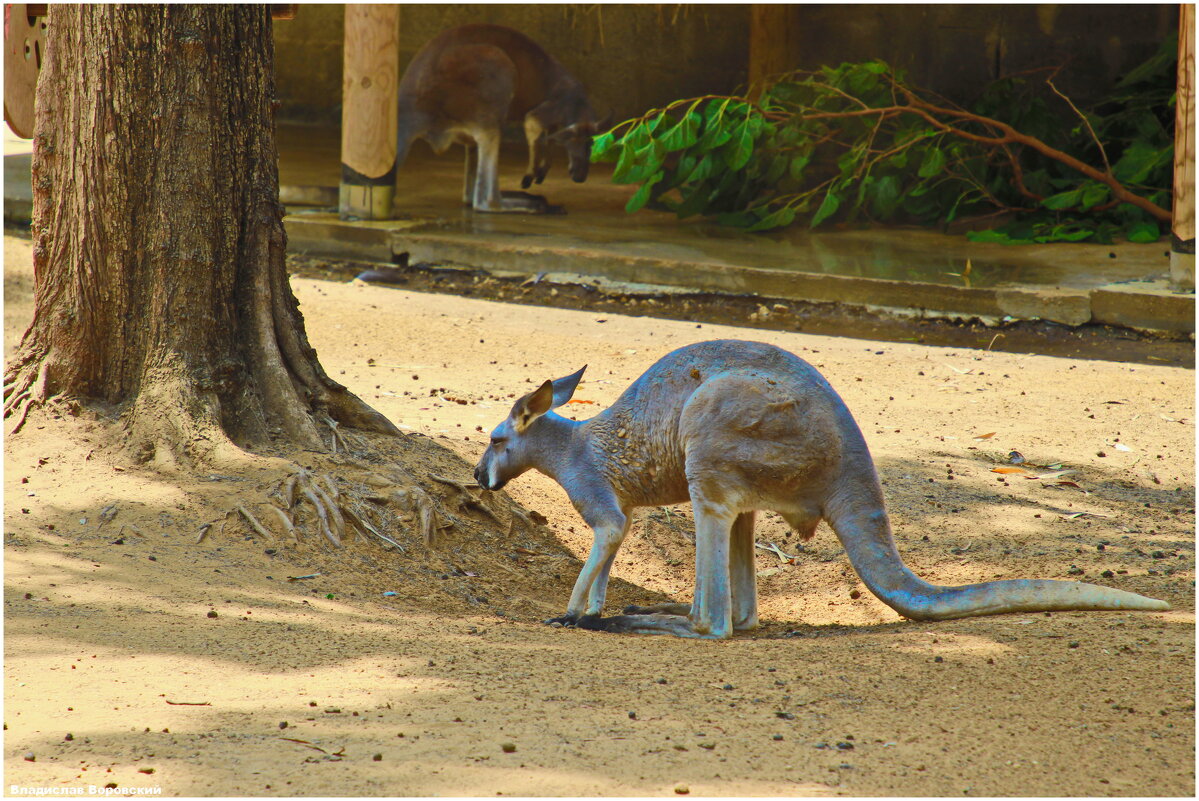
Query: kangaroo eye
x: 497, y: 441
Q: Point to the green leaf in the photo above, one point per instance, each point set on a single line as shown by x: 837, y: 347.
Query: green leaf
x: 1139, y: 160
x: 737, y: 219
x: 884, y: 197
x: 778, y: 165
x: 1143, y: 232
x: 682, y: 135
x: 624, y: 164
x: 1063, y: 200
x: 827, y: 209
x: 603, y: 147
x: 796, y: 168
x: 1093, y: 194
x: 775, y: 219
x: 995, y: 236
x: 694, y: 202
x: 743, y: 148
x: 642, y: 195
x: 933, y: 164
x: 703, y: 169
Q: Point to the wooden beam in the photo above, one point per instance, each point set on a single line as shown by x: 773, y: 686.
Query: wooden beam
x: 368, y: 117
x: 773, y: 43
x: 1182, y: 239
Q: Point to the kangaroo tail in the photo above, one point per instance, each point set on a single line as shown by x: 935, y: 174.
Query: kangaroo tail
x: 866, y: 534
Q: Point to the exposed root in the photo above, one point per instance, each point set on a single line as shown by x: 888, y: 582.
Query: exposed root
x: 25, y: 402
x: 360, y: 522
x: 466, y: 498
x: 416, y: 499
x: 254, y: 524
x: 288, y: 524
x: 322, y: 512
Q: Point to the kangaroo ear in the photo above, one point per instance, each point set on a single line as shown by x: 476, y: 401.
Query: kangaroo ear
x: 532, y: 406
x: 564, y: 388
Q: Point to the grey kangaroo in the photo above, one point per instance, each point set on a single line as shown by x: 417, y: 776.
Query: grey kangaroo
x: 466, y: 82
x: 735, y: 427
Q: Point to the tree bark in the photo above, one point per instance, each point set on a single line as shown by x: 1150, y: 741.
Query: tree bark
x: 159, y: 279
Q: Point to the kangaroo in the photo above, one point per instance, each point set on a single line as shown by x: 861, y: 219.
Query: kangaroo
x: 736, y: 427
x: 466, y: 82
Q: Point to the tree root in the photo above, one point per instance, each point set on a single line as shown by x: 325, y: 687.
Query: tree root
x: 467, y: 499
x: 24, y: 390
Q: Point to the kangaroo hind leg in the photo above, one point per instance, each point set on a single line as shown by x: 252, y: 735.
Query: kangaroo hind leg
x: 742, y: 578
x: 710, y: 615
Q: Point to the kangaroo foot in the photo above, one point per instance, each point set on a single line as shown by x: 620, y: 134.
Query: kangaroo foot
x: 676, y: 625
x: 526, y: 202
x: 572, y: 621
x: 659, y: 609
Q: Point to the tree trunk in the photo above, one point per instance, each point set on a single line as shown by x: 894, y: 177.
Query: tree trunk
x: 160, y: 286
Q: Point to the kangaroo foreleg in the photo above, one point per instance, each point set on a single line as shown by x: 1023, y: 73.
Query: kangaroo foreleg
x: 539, y: 152
x: 591, y: 588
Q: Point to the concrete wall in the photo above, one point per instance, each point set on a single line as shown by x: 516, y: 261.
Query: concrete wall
x: 630, y: 57
x: 634, y: 57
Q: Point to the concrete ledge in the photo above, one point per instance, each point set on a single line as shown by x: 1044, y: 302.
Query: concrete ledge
x: 323, y: 234
x: 698, y: 276
x: 1150, y: 305
x: 1068, y: 306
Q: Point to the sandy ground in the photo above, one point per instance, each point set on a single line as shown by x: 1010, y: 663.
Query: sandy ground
x: 137, y: 657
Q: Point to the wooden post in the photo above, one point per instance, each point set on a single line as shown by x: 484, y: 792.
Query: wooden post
x: 24, y: 48
x: 1182, y: 240
x: 368, y: 117
x: 773, y: 43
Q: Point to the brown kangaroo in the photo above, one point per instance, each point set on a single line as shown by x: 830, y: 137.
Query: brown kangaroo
x: 466, y: 82
x: 735, y: 427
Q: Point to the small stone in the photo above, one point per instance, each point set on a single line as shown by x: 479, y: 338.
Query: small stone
x: 1075, y: 643
x: 377, y: 758
x: 855, y: 594
x: 681, y: 789
x: 29, y: 757
x: 845, y: 746
x: 146, y: 771
x: 69, y: 737
x: 707, y: 746
x: 777, y: 737
x: 1107, y: 574
x: 661, y: 680
x: 632, y: 715
x: 938, y: 659
x: 728, y: 687
x: 507, y: 748
x: 332, y: 710
x: 212, y: 613
x: 283, y: 724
